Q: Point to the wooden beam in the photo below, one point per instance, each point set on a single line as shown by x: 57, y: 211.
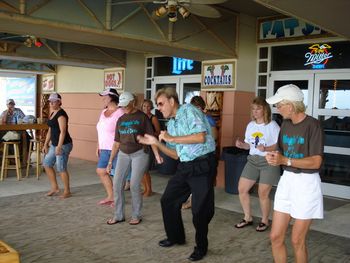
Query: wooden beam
x: 92, y: 14
x: 49, y: 47
x: 110, y: 56
x: 22, y: 7
x: 218, y: 38
x: 73, y: 33
x: 190, y: 35
x: 122, y: 21
x: 8, y: 7
x: 154, y: 22
x: 38, y: 6
x: 108, y: 15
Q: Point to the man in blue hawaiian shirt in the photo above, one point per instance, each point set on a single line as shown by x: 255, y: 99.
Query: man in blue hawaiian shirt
x: 188, y: 138
x: 12, y: 114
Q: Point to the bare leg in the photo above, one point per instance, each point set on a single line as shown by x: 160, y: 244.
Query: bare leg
x: 65, y: 180
x: 299, y: 232
x: 147, y: 184
x: 106, y: 182
x: 265, y: 202
x: 51, y: 174
x: 243, y: 188
x: 280, y: 222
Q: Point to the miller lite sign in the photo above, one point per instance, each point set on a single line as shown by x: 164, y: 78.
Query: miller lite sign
x: 318, y: 56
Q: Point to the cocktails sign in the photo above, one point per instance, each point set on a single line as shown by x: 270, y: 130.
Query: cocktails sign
x: 219, y: 75
x: 318, y: 56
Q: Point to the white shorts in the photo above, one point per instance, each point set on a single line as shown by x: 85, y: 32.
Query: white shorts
x: 299, y: 195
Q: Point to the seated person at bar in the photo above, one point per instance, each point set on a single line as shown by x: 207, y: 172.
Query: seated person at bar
x: 12, y: 114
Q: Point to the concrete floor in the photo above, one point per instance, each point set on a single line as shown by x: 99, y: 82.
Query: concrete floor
x: 40, y: 227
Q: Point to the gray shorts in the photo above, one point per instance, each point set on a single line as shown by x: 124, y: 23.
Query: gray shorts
x: 257, y: 169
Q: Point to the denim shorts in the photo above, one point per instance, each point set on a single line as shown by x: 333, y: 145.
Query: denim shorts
x: 61, y: 160
x: 104, y: 159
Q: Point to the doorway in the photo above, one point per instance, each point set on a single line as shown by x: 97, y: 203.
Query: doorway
x: 185, y: 86
x: 327, y: 96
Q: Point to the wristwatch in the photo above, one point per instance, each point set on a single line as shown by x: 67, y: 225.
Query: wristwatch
x: 289, y: 162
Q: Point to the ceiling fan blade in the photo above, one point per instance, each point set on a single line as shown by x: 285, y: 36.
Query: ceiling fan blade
x: 203, y: 2
x: 204, y: 10
x: 131, y: 2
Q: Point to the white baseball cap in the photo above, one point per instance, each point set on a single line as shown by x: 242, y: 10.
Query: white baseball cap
x: 125, y: 99
x: 288, y: 92
x: 109, y: 91
x: 54, y: 97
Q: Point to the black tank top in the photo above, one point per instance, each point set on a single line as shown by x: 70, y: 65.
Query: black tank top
x: 55, y: 128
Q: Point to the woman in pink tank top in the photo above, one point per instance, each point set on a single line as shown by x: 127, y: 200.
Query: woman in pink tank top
x: 106, y: 132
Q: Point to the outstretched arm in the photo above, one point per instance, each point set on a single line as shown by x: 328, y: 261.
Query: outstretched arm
x: 153, y: 141
x: 186, y: 139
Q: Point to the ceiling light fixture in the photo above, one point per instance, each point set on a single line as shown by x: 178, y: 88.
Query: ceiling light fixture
x: 172, y: 13
x: 184, y: 12
x: 161, y: 11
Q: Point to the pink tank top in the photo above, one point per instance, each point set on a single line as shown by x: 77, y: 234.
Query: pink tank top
x: 106, y: 129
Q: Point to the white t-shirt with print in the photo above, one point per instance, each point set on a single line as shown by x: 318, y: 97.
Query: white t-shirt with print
x: 265, y: 134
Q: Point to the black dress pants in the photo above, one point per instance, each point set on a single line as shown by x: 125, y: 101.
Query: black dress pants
x: 196, y: 177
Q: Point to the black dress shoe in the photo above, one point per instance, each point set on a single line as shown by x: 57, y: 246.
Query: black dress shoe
x: 168, y: 243
x: 197, y: 254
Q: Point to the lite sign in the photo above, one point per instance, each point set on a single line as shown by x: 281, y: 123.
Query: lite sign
x: 318, y: 56
x: 281, y: 29
x: 181, y: 64
x: 219, y: 76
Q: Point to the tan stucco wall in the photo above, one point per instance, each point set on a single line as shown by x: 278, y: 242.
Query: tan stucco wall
x: 79, y: 80
x: 247, y: 54
x: 86, y: 80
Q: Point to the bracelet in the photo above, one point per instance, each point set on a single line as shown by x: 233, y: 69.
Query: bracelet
x: 109, y: 162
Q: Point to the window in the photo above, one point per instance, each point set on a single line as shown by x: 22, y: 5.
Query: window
x: 22, y: 90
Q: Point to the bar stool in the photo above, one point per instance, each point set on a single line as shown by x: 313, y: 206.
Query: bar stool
x: 34, y: 144
x: 6, y: 157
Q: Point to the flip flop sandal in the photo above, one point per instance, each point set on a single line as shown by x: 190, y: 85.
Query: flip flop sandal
x: 262, y: 227
x: 134, y: 222
x: 113, y: 221
x: 243, y: 223
x: 105, y: 202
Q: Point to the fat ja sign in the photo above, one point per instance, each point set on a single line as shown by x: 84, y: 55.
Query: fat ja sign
x: 114, y: 79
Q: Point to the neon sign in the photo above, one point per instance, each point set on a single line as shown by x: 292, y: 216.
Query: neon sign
x: 181, y: 64
x: 318, y: 56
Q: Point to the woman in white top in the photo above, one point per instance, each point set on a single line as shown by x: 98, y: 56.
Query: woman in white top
x: 106, y: 131
x: 261, y: 136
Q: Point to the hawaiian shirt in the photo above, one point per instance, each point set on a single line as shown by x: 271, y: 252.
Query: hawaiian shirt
x: 190, y: 120
x: 13, y: 118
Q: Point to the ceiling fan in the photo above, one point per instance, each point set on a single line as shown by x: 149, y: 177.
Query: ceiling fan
x: 184, y: 7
